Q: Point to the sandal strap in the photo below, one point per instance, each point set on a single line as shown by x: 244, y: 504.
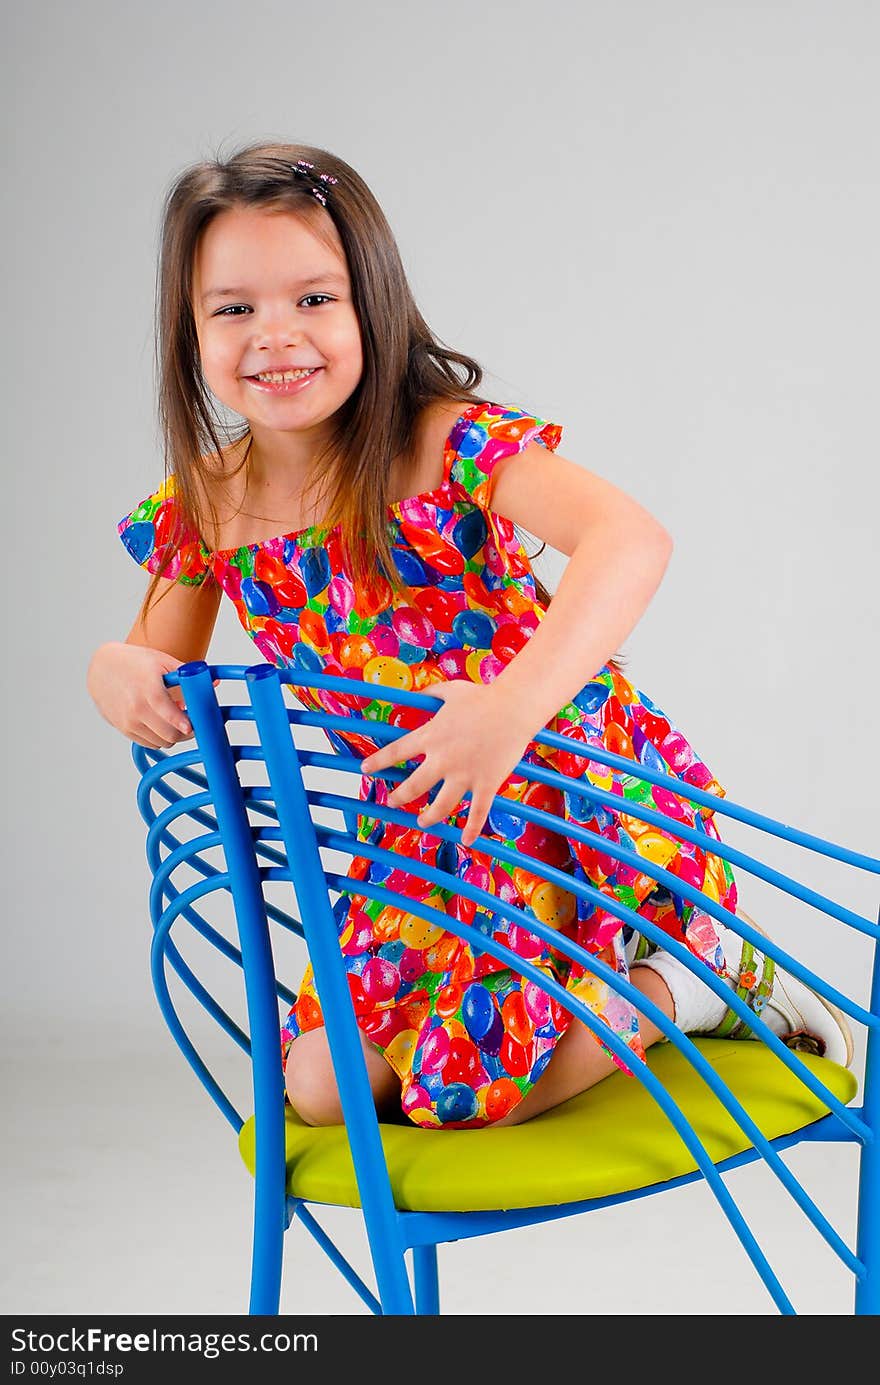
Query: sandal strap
x: 749, y: 988
x: 644, y: 948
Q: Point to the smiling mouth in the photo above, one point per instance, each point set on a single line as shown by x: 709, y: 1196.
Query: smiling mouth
x: 290, y: 382
x: 289, y: 373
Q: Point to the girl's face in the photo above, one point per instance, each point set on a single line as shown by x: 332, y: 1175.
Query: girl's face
x: 268, y: 294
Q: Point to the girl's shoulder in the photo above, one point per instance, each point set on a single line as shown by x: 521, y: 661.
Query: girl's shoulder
x: 462, y: 441
x: 157, y: 526
x: 434, y: 433
x: 159, y: 539
x: 484, y: 436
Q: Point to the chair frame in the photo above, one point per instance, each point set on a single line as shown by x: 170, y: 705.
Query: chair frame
x: 219, y: 804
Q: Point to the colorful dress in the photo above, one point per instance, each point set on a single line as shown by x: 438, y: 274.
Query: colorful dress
x: 467, y: 1036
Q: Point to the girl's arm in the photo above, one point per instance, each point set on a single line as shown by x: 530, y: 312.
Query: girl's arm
x: 617, y: 556
x: 125, y: 678
x: 181, y: 620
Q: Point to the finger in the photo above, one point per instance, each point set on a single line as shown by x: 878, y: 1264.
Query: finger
x: 389, y: 755
x: 173, y: 711
x: 167, y: 729
x: 170, y: 722
x: 444, y: 805
x: 405, y: 767
x: 476, y: 821
x: 421, y: 781
x: 181, y: 724
x: 143, y: 735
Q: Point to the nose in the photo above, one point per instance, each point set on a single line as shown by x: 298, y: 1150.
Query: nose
x: 282, y: 326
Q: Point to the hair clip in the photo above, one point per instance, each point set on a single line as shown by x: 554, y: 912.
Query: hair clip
x: 303, y: 169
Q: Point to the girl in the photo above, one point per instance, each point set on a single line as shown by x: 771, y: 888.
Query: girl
x: 365, y: 522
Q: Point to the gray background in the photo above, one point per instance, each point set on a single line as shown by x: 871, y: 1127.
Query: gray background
x: 653, y: 223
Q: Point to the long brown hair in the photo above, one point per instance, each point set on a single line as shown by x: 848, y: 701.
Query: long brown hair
x: 405, y: 366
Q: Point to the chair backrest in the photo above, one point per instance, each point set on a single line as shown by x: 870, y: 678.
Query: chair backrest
x: 255, y: 805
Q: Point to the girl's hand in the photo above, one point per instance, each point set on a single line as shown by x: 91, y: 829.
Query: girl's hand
x: 125, y: 683
x: 472, y: 743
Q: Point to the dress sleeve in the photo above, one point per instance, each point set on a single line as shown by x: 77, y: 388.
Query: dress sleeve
x: 486, y: 438
x: 156, y: 526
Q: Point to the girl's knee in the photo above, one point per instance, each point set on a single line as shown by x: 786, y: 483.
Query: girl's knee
x: 310, y: 1080
x: 311, y: 1084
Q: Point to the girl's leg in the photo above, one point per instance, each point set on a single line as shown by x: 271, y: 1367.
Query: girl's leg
x: 578, y: 1062
x: 311, y: 1081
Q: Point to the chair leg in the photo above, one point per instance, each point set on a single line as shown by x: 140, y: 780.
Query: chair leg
x: 867, y: 1293
x: 426, y: 1280
x: 270, y: 1220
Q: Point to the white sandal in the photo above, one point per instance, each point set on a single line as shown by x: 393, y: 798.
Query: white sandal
x: 798, y: 1016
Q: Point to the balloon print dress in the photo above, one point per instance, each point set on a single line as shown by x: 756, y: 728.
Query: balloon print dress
x: 467, y: 1036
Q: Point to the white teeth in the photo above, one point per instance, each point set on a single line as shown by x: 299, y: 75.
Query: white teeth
x: 276, y: 377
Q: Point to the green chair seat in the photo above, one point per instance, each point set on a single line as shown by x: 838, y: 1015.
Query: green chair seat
x: 611, y: 1139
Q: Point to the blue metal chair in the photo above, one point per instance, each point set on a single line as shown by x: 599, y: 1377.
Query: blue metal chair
x: 699, y: 1107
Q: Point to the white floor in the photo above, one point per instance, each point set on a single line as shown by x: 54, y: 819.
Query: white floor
x: 125, y: 1194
